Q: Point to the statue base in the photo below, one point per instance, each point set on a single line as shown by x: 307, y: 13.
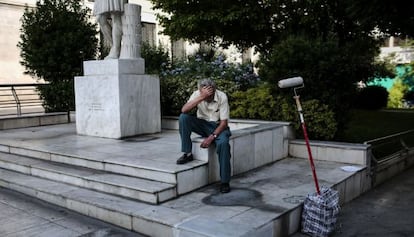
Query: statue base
x: 115, y: 99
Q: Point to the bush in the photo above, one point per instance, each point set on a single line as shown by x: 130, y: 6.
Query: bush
x: 259, y: 103
x: 396, y: 96
x: 58, y: 95
x: 319, y: 119
x: 156, y: 58
x: 255, y: 103
x: 56, y: 37
x: 372, y: 98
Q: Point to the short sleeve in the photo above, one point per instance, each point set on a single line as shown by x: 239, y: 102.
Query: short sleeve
x: 224, y: 107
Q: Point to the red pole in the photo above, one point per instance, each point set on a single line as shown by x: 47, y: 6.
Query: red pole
x: 305, y: 134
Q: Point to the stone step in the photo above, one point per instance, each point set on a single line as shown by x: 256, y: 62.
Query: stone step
x: 116, y: 210
x: 117, y: 184
x: 137, y: 166
x: 32, y: 119
x: 144, y: 218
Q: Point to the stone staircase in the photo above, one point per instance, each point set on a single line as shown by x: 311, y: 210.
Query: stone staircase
x: 135, y: 183
x: 145, y: 190
x: 146, y: 180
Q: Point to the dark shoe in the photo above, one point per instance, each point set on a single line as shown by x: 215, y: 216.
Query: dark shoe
x: 225, y: 188
x: 184, y: 159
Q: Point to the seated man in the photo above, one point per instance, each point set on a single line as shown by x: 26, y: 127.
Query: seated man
x: 211, y: 122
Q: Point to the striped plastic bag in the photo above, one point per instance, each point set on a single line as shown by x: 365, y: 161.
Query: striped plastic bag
x: 320, y: 213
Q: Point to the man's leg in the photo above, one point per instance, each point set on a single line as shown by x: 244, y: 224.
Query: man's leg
x: 224, y: 155
x: 187, y: 125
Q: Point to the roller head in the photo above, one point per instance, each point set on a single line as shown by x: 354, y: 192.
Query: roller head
x: 290, y: 82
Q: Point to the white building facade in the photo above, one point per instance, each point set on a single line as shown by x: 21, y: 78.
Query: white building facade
x: 11, y: 72
x: 396, y: 48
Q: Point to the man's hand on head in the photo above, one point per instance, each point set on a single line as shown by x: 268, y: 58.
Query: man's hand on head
x: 206, y: 92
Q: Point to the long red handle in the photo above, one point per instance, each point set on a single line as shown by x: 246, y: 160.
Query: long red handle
x: 305, y: 134
x: 315, y: 178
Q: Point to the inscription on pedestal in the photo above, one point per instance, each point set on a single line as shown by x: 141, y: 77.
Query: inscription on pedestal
x: 95, y: 107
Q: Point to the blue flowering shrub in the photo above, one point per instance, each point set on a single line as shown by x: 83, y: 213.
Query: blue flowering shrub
x: 180, y: 80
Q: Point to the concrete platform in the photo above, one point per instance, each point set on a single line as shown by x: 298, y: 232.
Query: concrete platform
x: 265, y: 201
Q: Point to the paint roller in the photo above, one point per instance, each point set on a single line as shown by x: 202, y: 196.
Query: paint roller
x: 297, y: 82
x: 291, y: 82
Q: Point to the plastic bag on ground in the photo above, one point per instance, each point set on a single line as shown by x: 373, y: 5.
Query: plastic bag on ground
x: 320, y: 213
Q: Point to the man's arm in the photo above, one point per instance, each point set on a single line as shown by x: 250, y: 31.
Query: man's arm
x: 220, y: 128
x: 187, y: 107
x: 205, y: 92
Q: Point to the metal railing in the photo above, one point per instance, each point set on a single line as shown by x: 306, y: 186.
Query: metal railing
x: 19, y: 96
x: 395, y: 145
x: 389, y: 151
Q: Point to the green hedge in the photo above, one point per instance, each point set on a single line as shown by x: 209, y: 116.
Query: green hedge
x: 372, y: 97
x: 259, y: 103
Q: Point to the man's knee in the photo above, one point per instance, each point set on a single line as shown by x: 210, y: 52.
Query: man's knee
x: 223, y: 144
x: 183, y: 117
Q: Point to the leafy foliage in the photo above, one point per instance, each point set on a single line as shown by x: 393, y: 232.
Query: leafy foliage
x: 156, y: 58
x: 397, y: 93
x: 408, y: 75
x: 260, y: 103
x: 56, y: 37
x: 255, y: 103
x: 263, y: 23
x: 179, y: 81
x: 394, y: 17
x: 58, y: 95
x: 372, y: 98
x: 323, y: 40
x: 330, y: 70
x: 402, y: 86
x: 226, y: 21
x: 320, y: 120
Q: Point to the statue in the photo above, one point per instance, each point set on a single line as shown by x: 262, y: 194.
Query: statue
x: 105, y: 10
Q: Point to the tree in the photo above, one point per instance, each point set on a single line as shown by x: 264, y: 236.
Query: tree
x: 393, y: 17
x: 320, y: 40
x: 225, y: 21
x: 56, y: 37
x: 263, y: 23
x: 395, y: 99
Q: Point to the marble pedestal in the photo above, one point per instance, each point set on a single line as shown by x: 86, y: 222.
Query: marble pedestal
x: 115, y: 99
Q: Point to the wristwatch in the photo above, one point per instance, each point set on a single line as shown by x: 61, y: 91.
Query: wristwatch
x: 214, y: 135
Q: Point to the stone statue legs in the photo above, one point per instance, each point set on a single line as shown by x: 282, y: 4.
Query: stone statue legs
x: 111, y: 33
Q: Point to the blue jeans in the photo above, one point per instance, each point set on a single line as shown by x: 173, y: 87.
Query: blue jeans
x: 189, y: 124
